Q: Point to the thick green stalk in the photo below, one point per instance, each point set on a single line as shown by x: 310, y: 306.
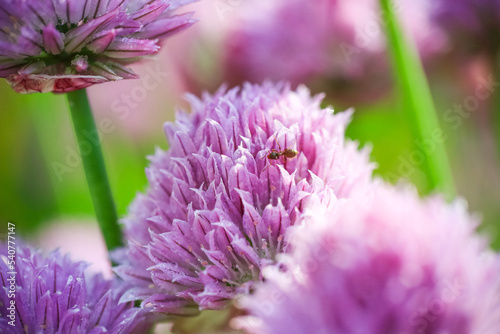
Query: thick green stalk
x: 93, y: 163
x: 418, y: 104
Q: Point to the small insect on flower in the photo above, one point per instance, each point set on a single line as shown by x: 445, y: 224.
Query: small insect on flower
x: 273, y: 154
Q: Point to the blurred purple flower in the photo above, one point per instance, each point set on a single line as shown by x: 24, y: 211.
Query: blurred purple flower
x: 64, y: 45
x: 215, y: 214
x: 339, y: 45
x: 54, y: 295
x: 472, y: 25
x: 386, y: 263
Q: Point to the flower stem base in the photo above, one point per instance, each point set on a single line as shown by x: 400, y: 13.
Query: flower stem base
x: 93, y: 162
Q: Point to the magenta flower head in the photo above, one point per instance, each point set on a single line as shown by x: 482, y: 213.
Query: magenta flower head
x: 222, y: 197
x: 53, y: 295
x: 334, y: 44
x: 296, y: 41
x: 65, y: 45
x: 386, y: 263
x: 472, y: 26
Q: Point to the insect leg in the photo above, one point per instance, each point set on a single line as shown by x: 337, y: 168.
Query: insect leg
x: 279, y: 146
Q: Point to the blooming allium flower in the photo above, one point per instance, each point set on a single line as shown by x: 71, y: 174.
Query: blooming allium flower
x: 338, y: 44
x: 218, y: 210
x: 472, y: 25
x: 390, y: 263
x: 300, y: 42
x: 54, y: 295
x: 65, y: 45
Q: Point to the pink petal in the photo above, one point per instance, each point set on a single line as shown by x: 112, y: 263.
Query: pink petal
x: 53, y: 40
x: 10, y: 67
x: 78, y: 37
x: 40, y: 83
x: 167, y: 26
x: 104, y: 71
x: 102, y: 41
x: 150, y: 11
x: 131, y: 47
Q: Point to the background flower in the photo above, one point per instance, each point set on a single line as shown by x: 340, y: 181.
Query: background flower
x: 333, y: 46
x: 217, y: 210
x: 297, y: 41
x: 54, y: 294
x: 66, y: 45
x: 472, y: 26
x: 383, y: 263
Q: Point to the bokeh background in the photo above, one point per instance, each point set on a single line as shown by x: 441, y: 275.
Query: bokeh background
x: 42, y: 183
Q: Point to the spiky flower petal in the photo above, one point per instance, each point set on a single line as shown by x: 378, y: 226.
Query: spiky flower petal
x: 64, y: 45
x: 387, y: 263
x: 53, y: 294
x: 218, y: 207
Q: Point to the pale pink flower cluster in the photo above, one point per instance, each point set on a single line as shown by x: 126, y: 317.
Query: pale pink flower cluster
x: 386, y: 262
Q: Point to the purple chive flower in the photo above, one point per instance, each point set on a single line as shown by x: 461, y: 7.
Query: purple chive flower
x: 218, y: 210
x: 300, y: 42
x: 473, y: 26
x: 335, y: 44
x: 55, y: 295
x: 387, y: 263
x: 65, y: 45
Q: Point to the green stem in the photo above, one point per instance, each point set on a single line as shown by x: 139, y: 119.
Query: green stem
x: 93, y: 163
x: 418, y: 104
